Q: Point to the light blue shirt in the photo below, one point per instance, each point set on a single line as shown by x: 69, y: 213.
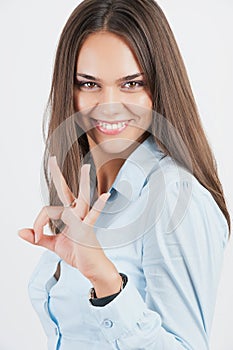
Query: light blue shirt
x: 162, y: 229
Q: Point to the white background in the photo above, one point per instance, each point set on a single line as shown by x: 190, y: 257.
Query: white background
x: 28, y: 37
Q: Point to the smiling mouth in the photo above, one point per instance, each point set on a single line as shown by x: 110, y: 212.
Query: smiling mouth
x: 110, y: 128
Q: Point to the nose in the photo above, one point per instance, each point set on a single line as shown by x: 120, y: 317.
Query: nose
x: 110, y: 102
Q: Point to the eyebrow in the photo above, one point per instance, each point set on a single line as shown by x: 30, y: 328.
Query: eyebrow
x: 127, y: 77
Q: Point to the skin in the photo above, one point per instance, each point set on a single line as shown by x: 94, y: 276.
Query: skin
x: 77, y: 244
x: 108, y: 59
x: 111, y: 98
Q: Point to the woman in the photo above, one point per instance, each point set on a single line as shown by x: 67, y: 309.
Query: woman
x: 136, y: 208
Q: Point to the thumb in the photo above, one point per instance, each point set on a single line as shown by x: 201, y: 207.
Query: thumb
x: 45, y: 241
x: 27, y: 234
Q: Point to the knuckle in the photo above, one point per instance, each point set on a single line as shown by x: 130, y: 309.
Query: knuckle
x: 45, y: 209
x: 69, y: 215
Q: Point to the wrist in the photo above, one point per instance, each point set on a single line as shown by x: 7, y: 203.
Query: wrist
x: 109, y: 298
x: 108, y: 283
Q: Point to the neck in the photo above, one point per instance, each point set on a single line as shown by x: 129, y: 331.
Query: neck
x: 107, y: 173
x: 108, y: 165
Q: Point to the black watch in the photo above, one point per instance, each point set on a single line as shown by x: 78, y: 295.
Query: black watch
x: 105, y: 300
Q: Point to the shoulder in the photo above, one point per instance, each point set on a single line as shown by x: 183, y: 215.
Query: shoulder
x: 170, y: 177
x: 179, y: 203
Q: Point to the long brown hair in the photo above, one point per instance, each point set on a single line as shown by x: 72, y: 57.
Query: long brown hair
x: 144, y: 26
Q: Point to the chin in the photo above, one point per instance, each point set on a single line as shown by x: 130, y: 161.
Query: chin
x: 116, y: 145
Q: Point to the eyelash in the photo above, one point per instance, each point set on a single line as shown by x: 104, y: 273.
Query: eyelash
x: 82, y: 83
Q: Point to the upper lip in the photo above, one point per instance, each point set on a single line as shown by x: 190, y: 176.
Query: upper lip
x: 111, y: 121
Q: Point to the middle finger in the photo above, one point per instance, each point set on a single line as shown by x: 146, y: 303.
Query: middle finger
x: 83, y: 201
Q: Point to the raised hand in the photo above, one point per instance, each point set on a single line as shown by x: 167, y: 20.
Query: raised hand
x: 77, y: 243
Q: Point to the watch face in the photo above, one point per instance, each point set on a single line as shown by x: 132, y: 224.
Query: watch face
x: 124, y: 279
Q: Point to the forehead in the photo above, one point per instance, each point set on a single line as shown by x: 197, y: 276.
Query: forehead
x: 107, y: 55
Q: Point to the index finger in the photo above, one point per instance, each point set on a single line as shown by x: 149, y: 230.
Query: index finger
x: 64, y: 193
x: 83, y: 200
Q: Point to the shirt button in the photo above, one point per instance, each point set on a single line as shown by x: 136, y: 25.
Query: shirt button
x: 107, y: 323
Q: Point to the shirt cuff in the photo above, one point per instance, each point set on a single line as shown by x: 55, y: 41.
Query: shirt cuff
x: 105, y: 300
x: 122, y: 315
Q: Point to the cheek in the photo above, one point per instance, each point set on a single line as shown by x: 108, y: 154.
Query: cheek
x: 84, y: 101
x: 142, y: 108
x: 144, y: 101
x: 141, y: 101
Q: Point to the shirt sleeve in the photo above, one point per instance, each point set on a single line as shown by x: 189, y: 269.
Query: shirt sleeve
x: 182, y: 259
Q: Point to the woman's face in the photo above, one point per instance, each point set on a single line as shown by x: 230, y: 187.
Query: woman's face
x: 111, y: 94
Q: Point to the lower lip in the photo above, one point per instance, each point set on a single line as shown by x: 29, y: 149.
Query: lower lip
x: 112, y: 131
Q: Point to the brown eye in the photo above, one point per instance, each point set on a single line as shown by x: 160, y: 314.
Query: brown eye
x: 86, y: 85
x: 131, y: 85
x: 89, y: 85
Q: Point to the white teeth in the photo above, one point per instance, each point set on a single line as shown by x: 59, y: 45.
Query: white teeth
x: 111, y: 126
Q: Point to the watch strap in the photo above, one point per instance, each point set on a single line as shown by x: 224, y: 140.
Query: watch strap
x: 107, y: 299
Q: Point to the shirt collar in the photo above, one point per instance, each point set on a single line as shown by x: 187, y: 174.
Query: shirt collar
x: 134, y: 172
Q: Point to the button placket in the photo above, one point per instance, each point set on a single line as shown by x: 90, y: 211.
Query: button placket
x: 55, y: 324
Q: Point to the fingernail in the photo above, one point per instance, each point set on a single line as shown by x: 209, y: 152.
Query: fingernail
x: 53, y: 159
x: 88, y: 166
x: 36, y: 238
x: 105, y: 196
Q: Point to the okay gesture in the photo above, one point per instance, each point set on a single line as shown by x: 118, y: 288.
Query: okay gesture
x: 77, y: 244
